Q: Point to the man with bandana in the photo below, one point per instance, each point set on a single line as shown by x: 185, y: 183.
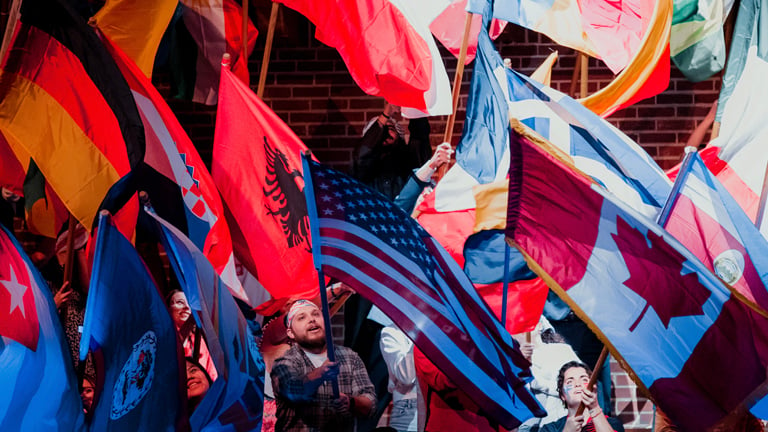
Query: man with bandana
x: 302, y: 378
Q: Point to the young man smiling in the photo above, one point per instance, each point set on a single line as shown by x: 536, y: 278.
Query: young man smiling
x: 302, y: 377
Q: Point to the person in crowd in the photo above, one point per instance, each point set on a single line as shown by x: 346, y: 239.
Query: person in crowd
x: 302, y: 378
x: 198, y: 383
x: 191, y: 340
x: 572, y: 382
x: 583, y: 341
x: 547, y: 352
x: 385, y: 159
x: 87, y: 387
x: 397, y: 350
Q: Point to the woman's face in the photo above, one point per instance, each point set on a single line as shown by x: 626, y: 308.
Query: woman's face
x: 197, y: 382
x: 179, y: 309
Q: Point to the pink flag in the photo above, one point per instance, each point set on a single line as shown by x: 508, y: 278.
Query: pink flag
x: 448, y: 28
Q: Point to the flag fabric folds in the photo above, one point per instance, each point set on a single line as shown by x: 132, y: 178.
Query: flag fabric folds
x: 183, y: 181
x: 76, y: 109
x: 595, y: 146
x: 44, y: 211
x: 123, y: 21
x: 705, y: 218
x: 257, y: 169
x: 141, y: 382
x: 235, y: 401
x: 697, y: 40
x: 448, y: 28
x: 663, y: 314
x: 737, y: 156
x: 40, y: 390
x: 216, y: 26
x: 367, y: 242
x: 632, y: 38
x: 387, y: 47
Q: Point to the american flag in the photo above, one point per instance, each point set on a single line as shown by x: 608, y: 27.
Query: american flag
x: 369, y: 243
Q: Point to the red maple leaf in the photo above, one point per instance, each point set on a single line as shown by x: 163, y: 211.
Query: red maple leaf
x: 655, y: 275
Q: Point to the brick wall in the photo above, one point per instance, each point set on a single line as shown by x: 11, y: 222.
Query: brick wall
x: 309, y: 87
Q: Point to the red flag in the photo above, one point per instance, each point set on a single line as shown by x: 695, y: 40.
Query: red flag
x: 11, y: 171
x: 18, y: 316
x: 257, y: 168
x: 387, y: 46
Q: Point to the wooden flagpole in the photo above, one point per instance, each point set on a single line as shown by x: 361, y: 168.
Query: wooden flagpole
x: 593, y: 377
x: 575, y: 75
x: 584, y: 81
x: 267, y: 49
x: 456, y: 87
x: 244, y: 37
x: 70, y: 258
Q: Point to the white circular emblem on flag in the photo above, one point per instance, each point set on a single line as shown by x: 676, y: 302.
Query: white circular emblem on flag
x: 135, y: 378
x: 729, y: 266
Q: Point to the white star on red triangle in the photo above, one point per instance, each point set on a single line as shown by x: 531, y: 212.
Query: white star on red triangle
x: 16, y: 290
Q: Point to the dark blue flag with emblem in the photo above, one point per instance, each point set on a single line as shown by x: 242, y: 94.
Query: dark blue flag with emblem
x: 234, y: 403
x: 140, y: 384
x: 363, y: 239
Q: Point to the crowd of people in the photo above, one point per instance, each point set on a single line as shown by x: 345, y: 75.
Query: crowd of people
x: 378, y: 379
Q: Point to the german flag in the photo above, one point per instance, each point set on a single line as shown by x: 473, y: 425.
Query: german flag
x: 65, y: 105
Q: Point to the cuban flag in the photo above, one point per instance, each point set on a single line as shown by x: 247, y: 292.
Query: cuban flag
x: 38, y: 381
x: 683, y: 336
x: 141, y: 383
x: 387, y: 47
x: 705, y: 218
x: 235, y: 400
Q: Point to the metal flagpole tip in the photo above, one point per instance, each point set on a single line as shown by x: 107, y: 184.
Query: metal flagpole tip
x: 104, y: 213
x: 690, y: 149
x: 225, y: 60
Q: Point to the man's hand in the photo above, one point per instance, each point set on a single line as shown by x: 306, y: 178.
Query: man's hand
x: 325, y: 372
x: 441, y: 156
x: 342, y: 404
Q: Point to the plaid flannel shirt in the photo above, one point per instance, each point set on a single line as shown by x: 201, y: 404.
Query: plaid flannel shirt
x: 316, y: 414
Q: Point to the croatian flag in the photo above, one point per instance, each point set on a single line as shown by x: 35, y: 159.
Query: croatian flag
x: 363, y: 239
x: 705, y: 218
x: 36, y: 373
x: 176, y: 173
x: 683, y: 336
x: 387, y: 46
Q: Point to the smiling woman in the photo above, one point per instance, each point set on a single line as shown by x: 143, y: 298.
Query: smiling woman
x: 198, y: 383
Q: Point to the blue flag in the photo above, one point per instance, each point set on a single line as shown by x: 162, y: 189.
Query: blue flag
x: 38, y: 387
x: 235, y: 400
x: 141, y: 385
